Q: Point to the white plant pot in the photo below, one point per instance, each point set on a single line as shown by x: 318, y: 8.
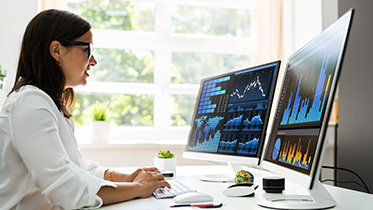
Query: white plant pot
x: 100, y: 132
x: 165, y: 164
x: 2, y: 84
x: 2, y: 98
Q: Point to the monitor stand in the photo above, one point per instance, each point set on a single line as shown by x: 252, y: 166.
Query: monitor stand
x: 319, y: 199
x: 229, y: 177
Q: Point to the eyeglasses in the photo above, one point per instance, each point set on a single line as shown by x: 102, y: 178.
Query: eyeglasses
x: 77, y: 43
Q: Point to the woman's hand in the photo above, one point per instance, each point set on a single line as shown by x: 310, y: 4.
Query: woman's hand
x: 132, y: 177
x: 121, y: 177
x: 140, y: 184
x: 149, y: 180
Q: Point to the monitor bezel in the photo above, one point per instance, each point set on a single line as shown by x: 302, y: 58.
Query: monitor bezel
x: 235, y: 159
x: 302, y: 179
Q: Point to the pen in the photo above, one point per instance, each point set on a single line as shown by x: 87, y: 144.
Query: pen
x: 207, y: 205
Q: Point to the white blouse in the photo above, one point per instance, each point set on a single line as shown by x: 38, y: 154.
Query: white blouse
x: 41, y: 166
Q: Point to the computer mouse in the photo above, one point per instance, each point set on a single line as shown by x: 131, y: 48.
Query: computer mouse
x: 240, y: 190
x: 193, y: 197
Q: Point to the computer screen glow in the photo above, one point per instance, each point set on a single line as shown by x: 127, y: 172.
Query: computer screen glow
x: 304, y: 98
x: 297, y: 140
x: 232, y: 112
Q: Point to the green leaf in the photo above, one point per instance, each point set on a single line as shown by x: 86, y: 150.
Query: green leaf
x: 2, y: 74
x: 99, y: 111
x: 165, y: 154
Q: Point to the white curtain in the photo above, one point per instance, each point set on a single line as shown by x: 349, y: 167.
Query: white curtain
x: 53, y: 4
x: 266, y: 36
x: 266, y: 31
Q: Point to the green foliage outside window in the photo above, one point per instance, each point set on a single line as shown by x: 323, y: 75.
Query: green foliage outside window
x: 207, y: 21
x: 128, y: 110
x: 116, y: 14
x: 201, y: 65
x: 118, y: 65
x: 183, y: 107
x: 137, y: 66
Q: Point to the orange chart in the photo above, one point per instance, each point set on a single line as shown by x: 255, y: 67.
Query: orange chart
x: 292, y: 154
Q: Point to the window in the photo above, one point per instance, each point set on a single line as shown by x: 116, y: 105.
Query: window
x: 151, y: 56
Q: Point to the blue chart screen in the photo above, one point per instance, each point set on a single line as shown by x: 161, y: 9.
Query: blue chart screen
x: 250, y: 86
x: 298, y: 136
x: 306, y: 98
x: 231, y: 112
x: 212, y: 89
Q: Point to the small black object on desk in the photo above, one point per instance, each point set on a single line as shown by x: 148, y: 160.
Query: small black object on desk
x: 274, y: 184
x: 167, y: 174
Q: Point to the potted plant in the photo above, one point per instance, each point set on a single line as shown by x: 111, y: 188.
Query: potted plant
x: 165, y: 161
x: 101, y: 126
x: 2, y: 78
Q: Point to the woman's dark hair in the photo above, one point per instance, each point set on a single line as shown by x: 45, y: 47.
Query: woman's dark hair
x: 37, y: 67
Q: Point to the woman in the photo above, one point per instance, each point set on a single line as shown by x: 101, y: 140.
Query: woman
x: 40, y: 164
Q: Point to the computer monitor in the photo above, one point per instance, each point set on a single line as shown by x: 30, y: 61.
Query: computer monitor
x: 231, y: 116
x: 297, y: 141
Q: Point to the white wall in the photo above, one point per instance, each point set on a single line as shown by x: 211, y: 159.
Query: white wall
x: 14, y: 17
x: 302, y: 21
x: 134, y: 155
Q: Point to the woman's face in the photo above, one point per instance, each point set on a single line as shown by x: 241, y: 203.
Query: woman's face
x: 75, y: 63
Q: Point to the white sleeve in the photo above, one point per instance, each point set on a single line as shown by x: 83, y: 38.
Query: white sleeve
x: 35, y: 134
x: 93, y: 167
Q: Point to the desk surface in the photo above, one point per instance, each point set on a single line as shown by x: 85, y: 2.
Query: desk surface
x: 189, y: 175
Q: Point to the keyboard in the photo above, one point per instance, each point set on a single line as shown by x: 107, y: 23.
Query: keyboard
x: 176, y: 189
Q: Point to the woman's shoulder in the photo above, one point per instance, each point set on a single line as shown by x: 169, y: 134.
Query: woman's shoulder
x: 30, y: 95
x: 29, y: 91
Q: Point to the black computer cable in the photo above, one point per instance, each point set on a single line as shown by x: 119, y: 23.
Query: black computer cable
x: 363, y: 185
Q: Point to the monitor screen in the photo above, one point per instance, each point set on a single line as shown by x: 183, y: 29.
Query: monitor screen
x: 297, y: 141
x: 231, y: 115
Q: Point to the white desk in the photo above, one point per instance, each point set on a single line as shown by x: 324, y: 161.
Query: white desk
x: 346, y: 199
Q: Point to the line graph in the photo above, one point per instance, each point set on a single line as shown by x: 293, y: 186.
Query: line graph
x: 240, y: 143
x: 256, y: 83
x: 249, y: 147
x: 253, y: 123
x: 234, y: 122
x: 227, y: 146
x: 251, y: 86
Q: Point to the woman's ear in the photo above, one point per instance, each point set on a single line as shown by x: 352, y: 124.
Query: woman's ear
x: 54, y: 49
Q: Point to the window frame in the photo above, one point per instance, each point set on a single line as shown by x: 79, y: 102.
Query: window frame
x: 163, y: 44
